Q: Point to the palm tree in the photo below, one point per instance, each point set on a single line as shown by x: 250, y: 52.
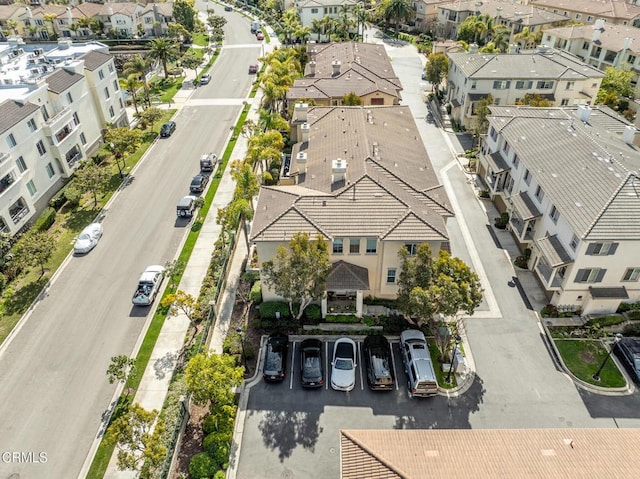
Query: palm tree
x: 165, y: 50
x: 13, y: 26
x: 50, y: 17
x: 131, y: 84
x: 528, y: 38
x: 317, y: 27
x: 397, y: 11
x: 247, y: 185
x: 327, y: 25
x: 345, y: 22
x: 138, y: 66
x: 362, y: 16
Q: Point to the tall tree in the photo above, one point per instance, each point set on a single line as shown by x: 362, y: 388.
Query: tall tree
x: 397, y: 11
x: 121, y: 369
x: 185, y: 14
x: 317, y: 27
x: 165, y: 50
x: 351, y: 99
x: 615, y: 85
x: 138, y: 66
x: 210, y: 378
x: 91, y: 178
x: 436, y: 69
x: 527, y: 38
x: 299, y: 272
x: 150, y: 116
x: 191, y: 61
x: 239, y: 211
x: 181, y: 302
x: 131, y: 84
x: 482, y: 114
x: 34, y: 248
x: 122, y: 142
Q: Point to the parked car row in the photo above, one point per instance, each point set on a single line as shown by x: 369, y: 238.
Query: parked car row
x: 186, y: 206
x: 377, y: 356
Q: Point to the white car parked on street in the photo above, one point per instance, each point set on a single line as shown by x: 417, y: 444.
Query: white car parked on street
x: 88, y: 239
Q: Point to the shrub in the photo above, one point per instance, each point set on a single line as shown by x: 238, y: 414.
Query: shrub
x: 549, y: 311
x: 269, y: 309
x: 220, y: 475
x: 502, y: 221
x: 313, y: 312
x: 631, y: 329
x: 255, y: 294
x: 342, y: 318
x: 58, y: 200
x: 217, y: 445
x: 3, y: 282
x: 483, y: 194
x: 202, y: 465
x: 610, y: 320
x: 73, y: 196
x: 627, y: 307
x: 634, y: 314
x: 45, y: 220
x: 221, y: 419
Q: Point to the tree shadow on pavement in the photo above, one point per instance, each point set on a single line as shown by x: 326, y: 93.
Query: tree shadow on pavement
x: 285, y: 431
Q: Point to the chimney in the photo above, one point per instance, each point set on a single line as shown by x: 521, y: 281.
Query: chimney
x: 338, y: 170
x: 628, y: 134
x: 335, y: 64
x: 109, y: 11
x: 74, y: 66
x: 300, y: 112
x: 64, y: 43
x: 584, y: 112
x: 304, y: 132
x: 473, y: 48
x: 301, y: 160
x: 513, y: 48
x: 69, y: 15
x: 369, y: 117
x: 312, y: 68
x: 311, y: 49
x: 376, y: 150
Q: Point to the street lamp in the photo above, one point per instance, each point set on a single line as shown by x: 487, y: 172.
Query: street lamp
x: 616, y: 340
x: 244, y: 356
x: 113, y: 150
x: 453, y: 355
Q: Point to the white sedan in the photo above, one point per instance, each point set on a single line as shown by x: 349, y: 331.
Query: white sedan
x: 343, y: 372
x: 88, y: 239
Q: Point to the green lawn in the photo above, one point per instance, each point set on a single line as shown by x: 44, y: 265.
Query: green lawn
x: 200, y: 39
x: 437, y: 367
x: 584, y: 357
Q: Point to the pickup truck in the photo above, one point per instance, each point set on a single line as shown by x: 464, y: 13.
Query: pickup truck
x: 148, y: 285
x: 208, y: 162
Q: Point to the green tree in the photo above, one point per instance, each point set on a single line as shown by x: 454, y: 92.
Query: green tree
x: 396, y: 12
x: 150, y: 116
x: 177, y: 31
x: 351, y: 99
x: 181, y: 302
x: 51, y: 18
x: 317, y: 27
x: 120, y: 369
x: 265, y: 148
x: 34, y: 248
x: 217, y: 23
x: 91, y: 178
x: 122, y: 142
x: 231, y: 216
x: 138, y: 66
x: 210, y: 379
x: 272, y: 121
x: 482, y: 116
x: 191, y: 61
x: 164, y: 50
x: 185, y: 14
x: 140, y: 445
x: 615, y: 85
x: 535, y: 99
x: 345, y: 22
x: 131, y: 84
x: 299, y: 272
x: 527, y: 38
x: 436, y: 69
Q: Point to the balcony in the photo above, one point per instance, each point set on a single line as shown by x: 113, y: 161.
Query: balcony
x: 73, y: 157
x: 18, y: 211
x: 3, y: 226
x: 6, y: 182
x: 4, y: 157
x: 58, y: 121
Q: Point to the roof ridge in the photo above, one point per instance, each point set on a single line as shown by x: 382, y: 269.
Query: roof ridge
x: 410, y: 212
x: 293, y: 208
x: 372, y: 454
x: 603, y: 210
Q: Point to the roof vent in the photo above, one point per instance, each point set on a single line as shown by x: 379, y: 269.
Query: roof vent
x: 628, y: 134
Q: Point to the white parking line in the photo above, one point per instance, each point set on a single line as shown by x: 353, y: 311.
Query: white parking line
x: 293, y: 362
x: 393, y: 363
x: 326, y: 364
x: 361, y: 363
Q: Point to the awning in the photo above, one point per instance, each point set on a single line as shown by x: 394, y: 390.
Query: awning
x: 525, y: 207
x: 497, y: 163
x: 347, y: 277
x: 553, y: 251
x: 477, y: 96
x: 548, y: 96
x: 609, y: 293
x: 455, y: 103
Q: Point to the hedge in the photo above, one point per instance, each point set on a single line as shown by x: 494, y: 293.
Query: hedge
x: 269, y: 309
x: 202, y: 465
x: 342, y: 318
x: 313, y: 312
x: 255, y: 295
x: 58, y: 200
x: 45, y: 220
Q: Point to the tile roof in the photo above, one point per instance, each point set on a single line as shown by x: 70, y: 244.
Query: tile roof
x: 61, y: 80
x: 347, y: 276
x: 492, y: 453
x: 618, y: 292
x: 12, y: 113
x: 94, y: 60
x: 587, y: 171
x: 612, y: 37
x: 512, y: 11
x: 604, y: 9
x: 524, y: 65
x: 524, y: 205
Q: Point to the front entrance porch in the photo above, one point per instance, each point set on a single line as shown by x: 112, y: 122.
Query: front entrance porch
x: 346, y: 283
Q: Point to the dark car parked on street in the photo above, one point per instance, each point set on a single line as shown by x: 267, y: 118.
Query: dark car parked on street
x: 198, y: 183
x: 377, y: 357
x: 628, y: 350
x: 275, y: 357
x: 167, y: 129
x: 311, y: 363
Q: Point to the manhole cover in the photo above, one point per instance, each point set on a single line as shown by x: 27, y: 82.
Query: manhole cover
x: 332, y: 450
x: 287, y: 474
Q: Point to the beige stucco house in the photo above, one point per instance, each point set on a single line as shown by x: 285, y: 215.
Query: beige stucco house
x: 361, y: 179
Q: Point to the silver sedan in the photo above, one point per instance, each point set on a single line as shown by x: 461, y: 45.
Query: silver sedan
x: 88, y: 239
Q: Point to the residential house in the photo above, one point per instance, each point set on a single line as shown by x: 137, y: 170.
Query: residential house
x: 602, y: 45
x: 54, y: 106
x: 41, y: 22
x: 155, y: 19
x: 309, y: 10
x: 488, y: 453
x: 557, y: 76
x: 427, y: 13
x: 618, y: 12
x: 10, y: 23
x: 515, y: 17
x: 568, y: 178
x: 336, y: 69
x: 361, y: 179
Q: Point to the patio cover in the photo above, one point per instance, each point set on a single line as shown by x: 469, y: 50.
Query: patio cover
x: 497, y: 163
x: 554, y: 251
x: 525, y: 207
x: 347, y: 277
x: 609, y: 293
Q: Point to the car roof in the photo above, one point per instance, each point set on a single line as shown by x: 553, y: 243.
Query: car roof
x: 276, y: 338
x: 633, y: 344
x: 374, y: 340
x: 412, y: 335
x: 311, y: 343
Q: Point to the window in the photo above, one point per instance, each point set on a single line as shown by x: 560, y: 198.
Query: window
x: 501, y: 84
x: 110, y: 67
x: 544, y: 85
x: 372, y: 246
x: 83, y: 139
x: 412, y: 248
x: 527, y: 176
x: 554, y: 214
x: 107, y: 95
x: 49, y: 169
x: 31, y: 188
x: 585, y: 45
x: 539, y: 194
x: 41, y: 149
x: 631, y: 274
x: 524, y: 85
x: 631, y: 59
x: 474, y: 84
x: 111, y: 112
x: 493, y: 133
x: 391, y: 276
x: 496, y: 101
x: 314, y: 10
x: 516, y: 161
x: 76, y: 119
x: 32, y: 125
x: 506, y: 148
x: 101, y: 75
x: 564, y: 102
x: 337, y: 246
x: 11, y: 141
x: 22, y: 166
x: 354, y: 246
x: 509, y: 185
x: 116, y: 87
x: 570, y: 85
x: 602, y: 249
x: 592, y: 275
x: 45, y: 113
x: 69, y: 97
x: 574, y: 242
x: 589, y: 18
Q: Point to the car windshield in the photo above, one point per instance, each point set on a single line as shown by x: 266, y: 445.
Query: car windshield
x: 84, y: 237
x: 343, y: 364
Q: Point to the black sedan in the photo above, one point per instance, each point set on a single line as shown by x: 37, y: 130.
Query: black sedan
x: 628, y: 350
x: 311, y: 374
x: 167, y: 129
x: 377, y: 356
x: 199, y: 183
x: 275, y: 357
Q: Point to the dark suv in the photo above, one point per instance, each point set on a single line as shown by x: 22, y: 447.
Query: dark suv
x: 377, y: 356
x: 628, y: 350
x: 275, y: 357
x: 167, y: 129
x: 198, y: 183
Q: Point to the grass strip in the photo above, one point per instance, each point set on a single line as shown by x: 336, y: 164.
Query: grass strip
x: 584, y: 358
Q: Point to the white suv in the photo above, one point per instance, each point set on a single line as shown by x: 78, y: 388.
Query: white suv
x: 417, y: 364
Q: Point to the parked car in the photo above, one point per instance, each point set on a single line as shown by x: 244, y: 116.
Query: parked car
x: 88, y: 238
x: 343, y: 371
x: 167, y: 129
x: 311, y: 374
x: 255, y: 27
x: 628, y: 350
x: 208, y: 162
x: 421, y: 378
x: 377, y: 356
x: 204, y: 79
x: 259, y: 36
x: 275, y: 357
x: 148, y: 285
x: 228, y: 8
x: 199, y: 183
x: 253, y: 69
x: 186, y: 206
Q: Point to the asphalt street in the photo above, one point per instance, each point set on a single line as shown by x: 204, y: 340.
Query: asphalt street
x: 52, y: 374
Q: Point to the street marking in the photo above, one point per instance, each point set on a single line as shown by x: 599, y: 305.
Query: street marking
x: 393, y: 363
x: 293, y: 362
